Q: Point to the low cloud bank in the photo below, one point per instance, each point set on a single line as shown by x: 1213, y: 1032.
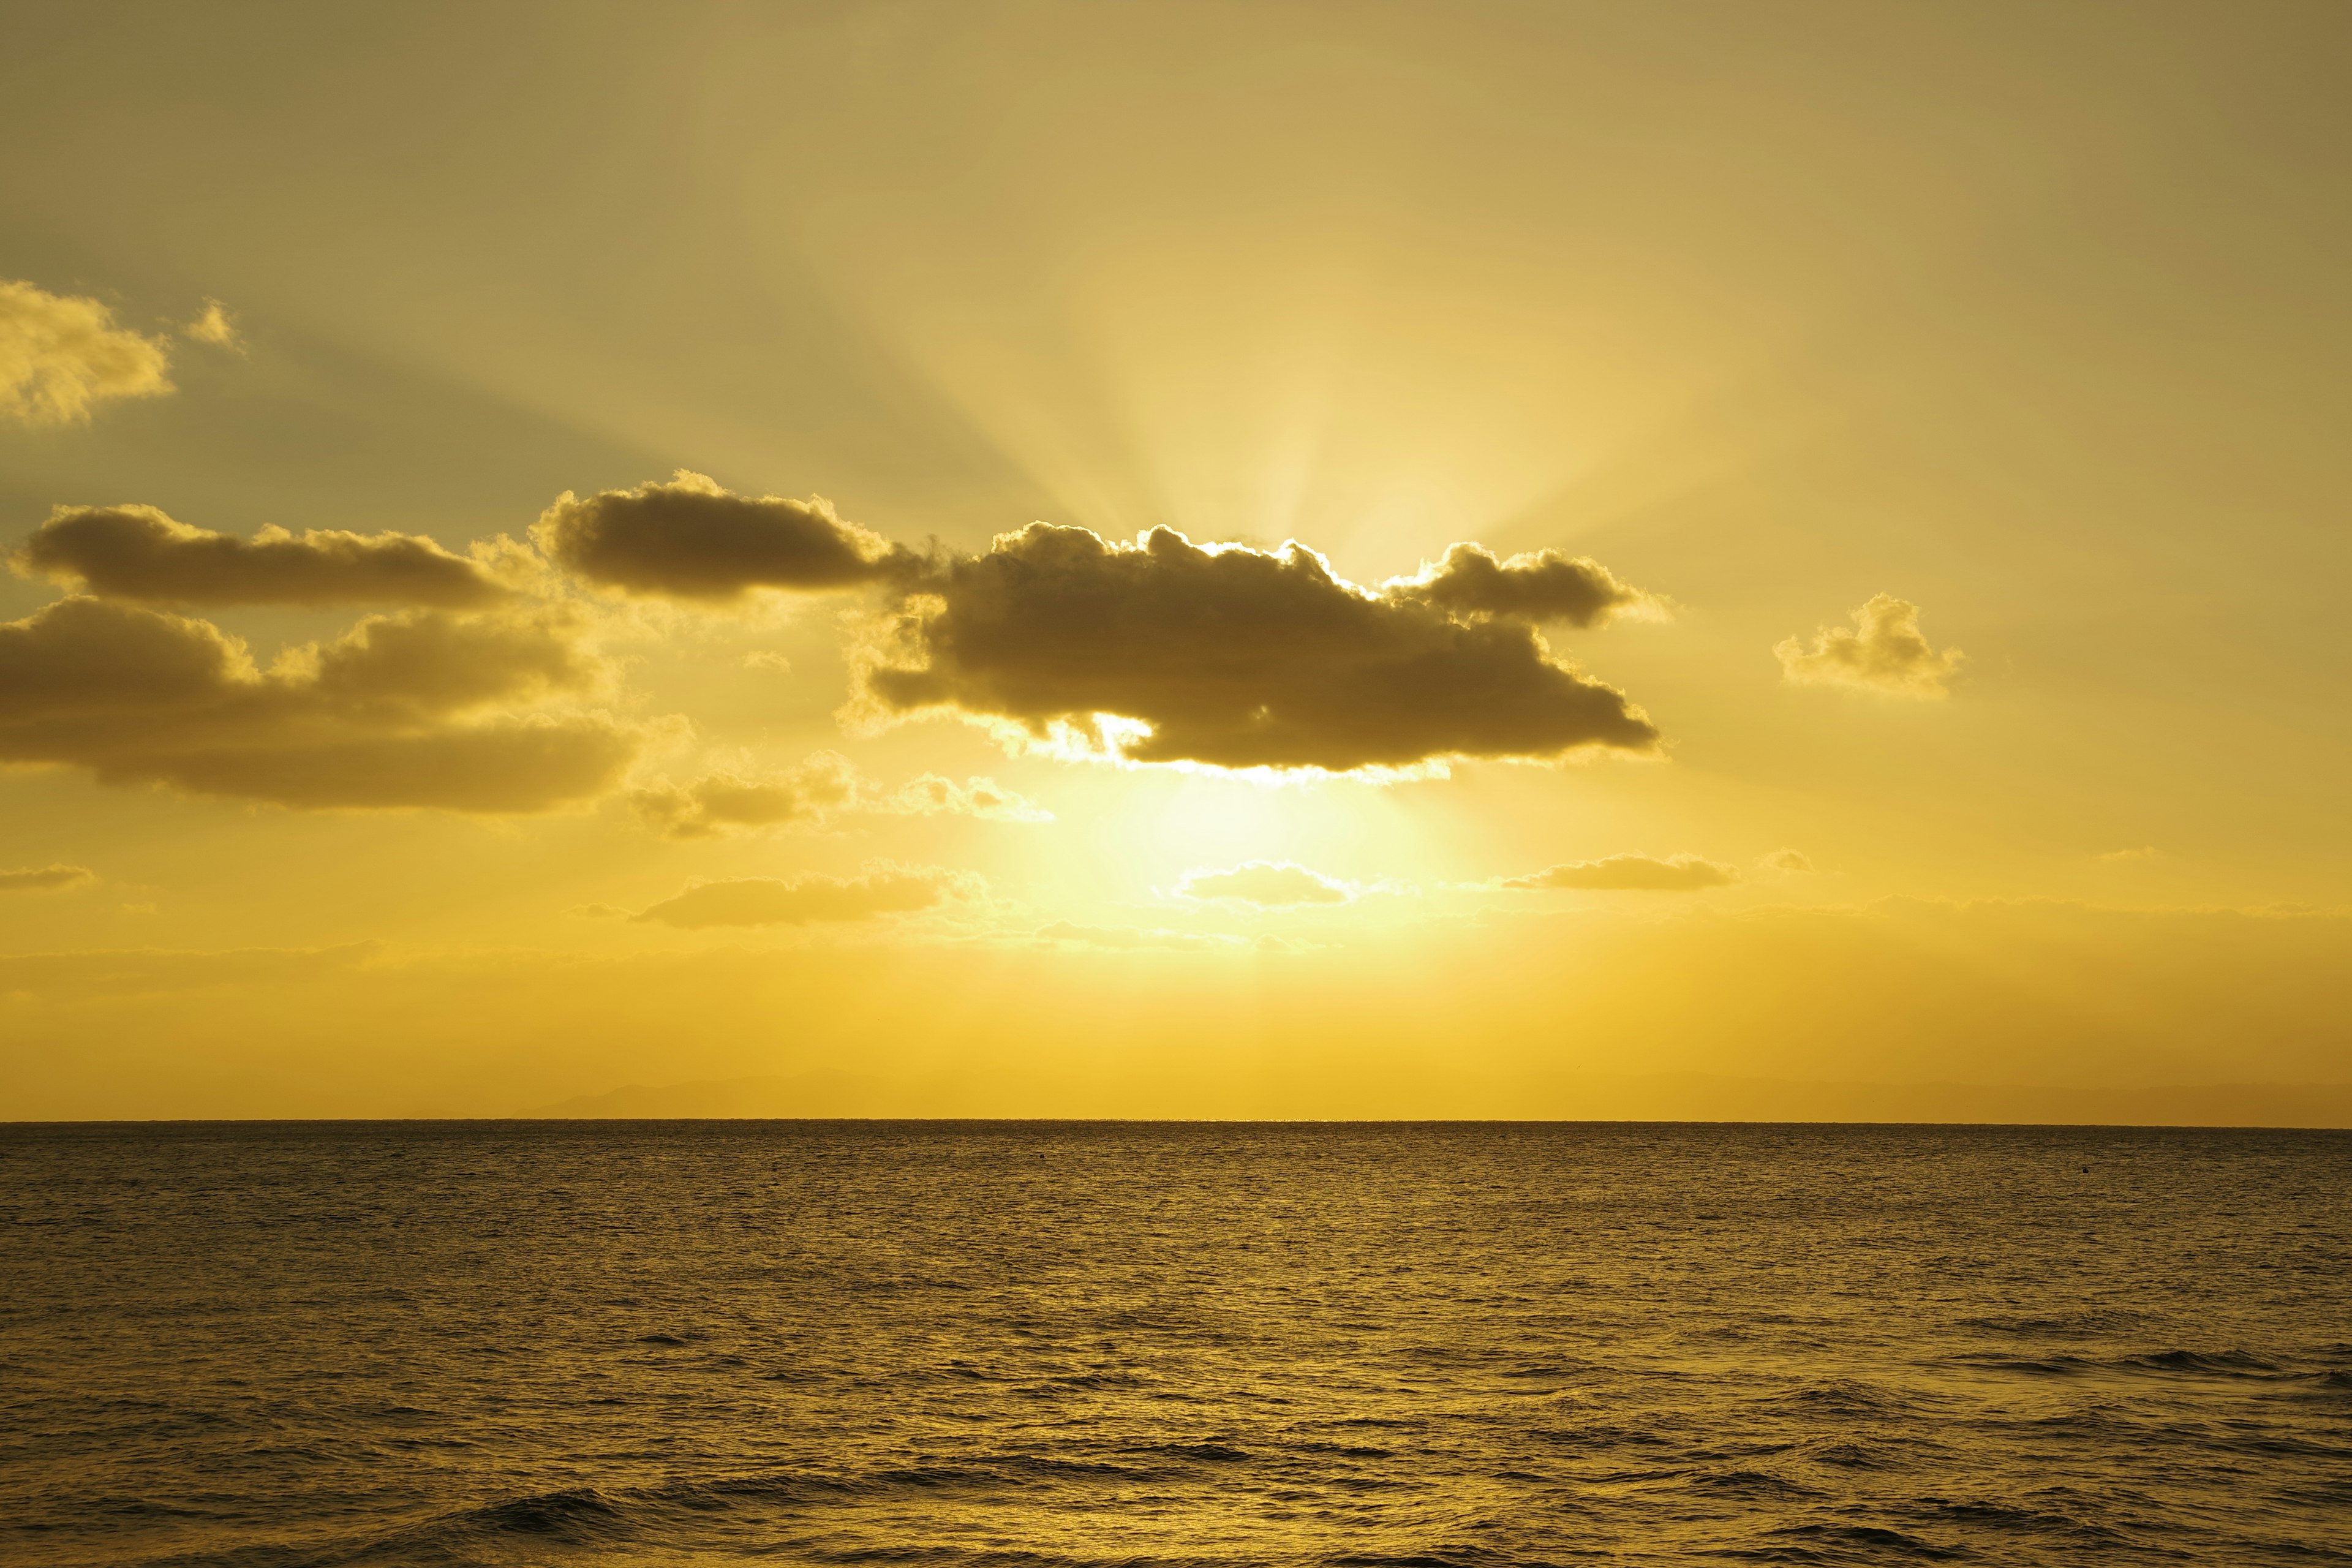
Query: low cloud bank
x: 44, y: 879
x: 1267, y: 883
x: 1624, y: 873
x: 884, y: 888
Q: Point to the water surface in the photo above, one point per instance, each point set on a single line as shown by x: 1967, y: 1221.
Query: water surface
x: 1034, y: 1344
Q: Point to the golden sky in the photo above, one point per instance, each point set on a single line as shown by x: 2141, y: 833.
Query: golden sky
x: 1187, y: 559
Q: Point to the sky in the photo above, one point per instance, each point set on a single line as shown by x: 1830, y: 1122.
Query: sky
x: 1170, y: 559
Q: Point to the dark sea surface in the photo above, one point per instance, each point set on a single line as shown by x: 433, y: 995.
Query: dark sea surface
x: 1037, y: 1344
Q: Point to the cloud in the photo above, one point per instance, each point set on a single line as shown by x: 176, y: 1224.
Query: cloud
x: 884, y: 889
x: 1675, y: 873
x: 2130, y: 857
x: 60, y: 355
x: 138, y: 552
x: 1161, y: 651
x: 1883, y: 652
x: 216, y: 326
x: 1267, y: 883
x: 1131, y: 938
x: 690, y: 539
x: 412, y: 709
x: 44, y: 879
x: 930, y: 794
x: 1544, y: 586
x: 822, y: 784
x: 1791, y: 861
x: 716, y: 803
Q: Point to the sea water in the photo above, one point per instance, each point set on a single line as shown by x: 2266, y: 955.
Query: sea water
x: 1034, y: 1345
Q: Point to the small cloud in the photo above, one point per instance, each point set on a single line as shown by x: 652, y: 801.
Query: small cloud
x: 1129, y: 938
x: 1267, y: 883
x: 597, y: 913
x: 690, y: 539
x: 720, y: 803
x: 44, y: 879
x: 1793, y: 862
x: 216, y: 326
x: 1545, y: 586
x: 138, y: 909
x: 822, y: 784
x: 2130, y: 857
x: 884, y: 889
x: 930, y: 795
x: 1628, y: 873
x: 61, y: 354
x: 1883, y: 652
x: 767, y: 658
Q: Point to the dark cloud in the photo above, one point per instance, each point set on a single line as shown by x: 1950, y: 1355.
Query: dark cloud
x: 1617, y: 873
x: 1884, y: 651
x: 1267, y: 883
x: 413, y: 709
x: 1542, y: 586
x: 44, y: 879
x: 690, y: 539
x: 138, y: 552
x: 884, y: 889
x: 1230, y: 657
x: 62, y: 354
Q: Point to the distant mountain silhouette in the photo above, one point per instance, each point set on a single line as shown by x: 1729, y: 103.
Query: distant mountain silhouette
x: 1664, y: 1097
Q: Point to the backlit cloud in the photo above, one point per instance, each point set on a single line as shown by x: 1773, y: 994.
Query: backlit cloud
x: 138, y: 552
x: 690, y: 539
x: 414, y: 709
x: 61, y: 354
x: 822, y: 784
x: 1162, y: 651
x: 884, y: 889
x: 1267, y: 883
x: 217, y: 325
x: 44, y: 879
x: 1613, y: 873
x: 1543, y: 586
x: 1883, y: 651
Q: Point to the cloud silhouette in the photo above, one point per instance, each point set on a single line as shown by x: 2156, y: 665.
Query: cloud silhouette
x: 823, y: 784
x: 44, y: 879
x: 61, y: 354
x: 1267, y: 883
x: 1617, y: 873
x: 1544, y: 586
x: 691, y: 539
x: 412, y: 709
x: 138, y: 552
x: 884, y: 889
x: 1164, y: 651
x: 1883, y: 652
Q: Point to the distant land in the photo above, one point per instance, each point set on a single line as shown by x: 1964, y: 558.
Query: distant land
x: 1664, y: 1097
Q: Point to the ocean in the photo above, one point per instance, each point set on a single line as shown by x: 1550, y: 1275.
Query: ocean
x: 282, y: 1345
